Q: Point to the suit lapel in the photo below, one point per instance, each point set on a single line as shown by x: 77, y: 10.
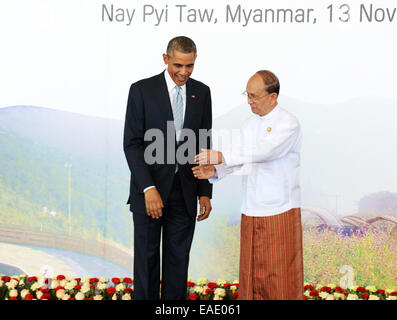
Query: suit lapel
x: 187, y: 123
x: 165, y: 98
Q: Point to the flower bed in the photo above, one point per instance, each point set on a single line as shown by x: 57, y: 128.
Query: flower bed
x: 66, y: 288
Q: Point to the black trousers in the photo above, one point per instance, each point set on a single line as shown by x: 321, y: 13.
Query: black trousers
x: 177, y: 228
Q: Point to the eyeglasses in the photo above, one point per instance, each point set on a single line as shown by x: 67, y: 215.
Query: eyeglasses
x: 253, y: 97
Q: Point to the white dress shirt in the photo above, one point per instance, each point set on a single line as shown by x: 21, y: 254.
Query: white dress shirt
x: 268, y: 157
x: 171, y: 91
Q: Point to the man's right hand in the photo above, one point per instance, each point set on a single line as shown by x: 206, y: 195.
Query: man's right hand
x: 153, y: 203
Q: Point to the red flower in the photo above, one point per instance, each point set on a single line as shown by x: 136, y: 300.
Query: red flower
x: 13, y: 298
x: 59, y: 288
x: 365, y: 296
x: 116, y: 280
x: 394, y: 293
x: 89, y: 299
x: 190, y: 284
x: 44, y: 289
x: 111, y: 290
x: 78, y: 287
x: 6, y: 278
x: 308, y: 287
x: 127, y: 280
x: 380, y: 291
x: 72, y: 298
x: 212, y: 285
x: 32, y: 279
x: 61, y: 277
x: 361, y: 289
x: 129, y: 290
x: 235, y: 284
x: 94, y: 280
x: 193, y: 296
x: 77, y: 279
x: 314, y: 293
x: 339, y: 289
x: 29, y: 296
x: 45, y: 296
x: 235, y: 294
x: 327, y: 289
x: 209, y: 291
x: 227, y: 285
x: 204, y: 299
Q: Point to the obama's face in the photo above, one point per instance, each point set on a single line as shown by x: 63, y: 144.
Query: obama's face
x: 180, y: 66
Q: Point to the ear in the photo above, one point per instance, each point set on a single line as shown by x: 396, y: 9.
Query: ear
x: 165, y: 58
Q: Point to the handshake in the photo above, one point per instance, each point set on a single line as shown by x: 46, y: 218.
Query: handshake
x: 207, y: 160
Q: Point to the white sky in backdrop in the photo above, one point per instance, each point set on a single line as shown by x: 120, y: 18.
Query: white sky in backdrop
x: 59, y: 54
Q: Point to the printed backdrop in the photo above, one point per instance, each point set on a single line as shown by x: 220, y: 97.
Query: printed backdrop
x: 65, y: 71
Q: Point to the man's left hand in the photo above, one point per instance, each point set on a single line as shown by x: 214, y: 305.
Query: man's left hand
x: 209, y: 156
x: 205, y: 208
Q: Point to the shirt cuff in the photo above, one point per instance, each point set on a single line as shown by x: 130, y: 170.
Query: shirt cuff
x: 146, y: 189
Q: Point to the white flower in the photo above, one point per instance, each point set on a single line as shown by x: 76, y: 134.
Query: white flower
x: 63, y: 283
x: 101, y: 286
x: 85, y: 279
x: 24, y: 292
x: 307, y: 293
x: 323, y: 295
x: 233, y: 288
x: 66, y: 297
x: 70, y: 285
x: 98, y: 297
x: 114, y: 297
x: 103, y: 280
x: 373, y: 297
x: 198, y: 289
x: 1, y: 283
x: 216, y: 297
x: 330, y: 297
x: 220, y: 292
x: 79, y: 296
x: 39, y: 294
x: 339, y: 296
x: 60, y: 293
x: 21, y: 282
x: 392, y: 297
x: 120, y: 287
x: 85, y: 288
x: 54, y: 284
x: 352, y: 296
x: 127, y: 296
x: 35, y: 286
x: 318, y: 287
x: 13, y: 293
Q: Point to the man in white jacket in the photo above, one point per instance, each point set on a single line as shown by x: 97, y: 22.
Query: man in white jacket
x: 271, y: 262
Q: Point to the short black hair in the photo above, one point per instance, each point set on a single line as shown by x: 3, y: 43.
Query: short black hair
x: 183, y: 44
x: 271, y: 81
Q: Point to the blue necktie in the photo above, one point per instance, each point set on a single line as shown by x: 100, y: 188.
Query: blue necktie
x: 177, y: 110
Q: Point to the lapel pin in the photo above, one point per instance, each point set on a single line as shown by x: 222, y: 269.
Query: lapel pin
x: 193, y: 96
x: 269, y: 129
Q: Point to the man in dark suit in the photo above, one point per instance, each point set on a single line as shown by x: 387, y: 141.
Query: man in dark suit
x: 164, y: 193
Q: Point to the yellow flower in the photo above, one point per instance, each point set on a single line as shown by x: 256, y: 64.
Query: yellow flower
x: 370, y: 289
x: 339, y: 296
x: 202, y: 281
x: 221, y: 283
x: 323, y: 295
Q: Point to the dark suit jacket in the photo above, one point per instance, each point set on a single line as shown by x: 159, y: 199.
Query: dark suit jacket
x: 149, y: 107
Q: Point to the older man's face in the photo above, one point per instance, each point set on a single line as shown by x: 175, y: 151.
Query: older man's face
x: 259, y: 99
x: 180, y: 66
